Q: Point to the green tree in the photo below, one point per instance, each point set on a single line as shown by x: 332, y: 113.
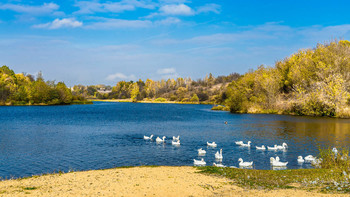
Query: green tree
x: 134, y: 92
x: 194, y: 98
x: 65, y: 94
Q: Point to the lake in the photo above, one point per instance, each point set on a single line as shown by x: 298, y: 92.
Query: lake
x: 45, y: 139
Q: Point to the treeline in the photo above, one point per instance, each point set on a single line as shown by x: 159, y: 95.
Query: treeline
x: 210, y: 89
x: 24, y: 89
x: 313, y: 82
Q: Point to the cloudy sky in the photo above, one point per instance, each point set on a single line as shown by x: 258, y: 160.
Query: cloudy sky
x: 102, y: 42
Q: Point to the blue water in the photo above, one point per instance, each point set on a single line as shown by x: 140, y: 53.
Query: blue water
x: 45, y: 139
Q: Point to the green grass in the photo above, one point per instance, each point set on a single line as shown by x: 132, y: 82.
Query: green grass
x: 77, y: 102
x: 332, y: 175
x: 30, y: 188
x: 330, y: 160
x: 325, y: 180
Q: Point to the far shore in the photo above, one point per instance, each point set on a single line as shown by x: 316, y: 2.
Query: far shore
x: 149, y: 101
x: 86, y: 102
x: 138, y: 181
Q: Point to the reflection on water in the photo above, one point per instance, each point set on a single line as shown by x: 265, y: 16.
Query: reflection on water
x: 278, y: 168
x: 322, y: 130
x: 35, y: 140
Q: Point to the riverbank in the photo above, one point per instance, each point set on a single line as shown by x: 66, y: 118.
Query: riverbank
x: 74, y: 102
x: 149, y: 101
x: 139, y: 181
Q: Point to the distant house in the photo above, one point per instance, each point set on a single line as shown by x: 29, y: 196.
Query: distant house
x: 103, y: 91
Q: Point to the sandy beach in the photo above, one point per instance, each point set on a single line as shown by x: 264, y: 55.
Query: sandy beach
x: 136, y: 181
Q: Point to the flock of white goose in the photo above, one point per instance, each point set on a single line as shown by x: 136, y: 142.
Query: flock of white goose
x: 175, y: 141
x: 275, y: 162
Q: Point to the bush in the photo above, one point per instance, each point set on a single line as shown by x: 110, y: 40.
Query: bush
x: 194, y: 98
x: 220, y: 108
x: 185, y: 100
x: 160, y: 99
x: 173, y: 98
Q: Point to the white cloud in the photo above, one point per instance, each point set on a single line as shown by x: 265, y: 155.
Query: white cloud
x: 210, y: 7
x: 320, y: 33
x: 88, y: 7
x: 46, y: 8
x: 120, y: 76
x: 60, y: 23
x: 173, y: 1
x: 176, y: 9
x: 166, y: 71
x: 119, y: 23
x: 181, y: 9
x: 168, y: 21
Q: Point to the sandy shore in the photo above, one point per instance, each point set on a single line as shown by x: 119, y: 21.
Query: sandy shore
x: 137, y: 181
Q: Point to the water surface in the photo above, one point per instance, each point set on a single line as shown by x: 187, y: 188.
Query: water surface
x: 44, y: 139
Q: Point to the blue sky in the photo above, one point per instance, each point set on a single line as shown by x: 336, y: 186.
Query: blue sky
x: 102, y: 42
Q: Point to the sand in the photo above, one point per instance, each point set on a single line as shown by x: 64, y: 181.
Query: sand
x: 136, y: 181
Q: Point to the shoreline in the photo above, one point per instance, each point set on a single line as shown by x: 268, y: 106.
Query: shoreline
x: 87, y: 102
x: 138, y: 181
x: 214, y: 108
x: 158, y: 102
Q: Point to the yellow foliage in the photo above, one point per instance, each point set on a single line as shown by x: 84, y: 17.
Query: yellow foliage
x: 311, y: 82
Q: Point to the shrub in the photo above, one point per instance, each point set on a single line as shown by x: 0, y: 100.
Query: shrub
x: 160, y: 99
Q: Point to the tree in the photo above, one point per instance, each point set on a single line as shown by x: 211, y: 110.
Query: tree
x: 65, y: 94
x: 134, y: 92
x: 194, y: 98
x: 181, y: 92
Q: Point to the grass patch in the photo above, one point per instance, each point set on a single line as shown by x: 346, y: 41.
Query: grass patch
x: 30, y: 188
x: 331, y: 160
x: 152, y: 166
x: 332, y: 174
x: 326, y: 180
x: 78, y: 102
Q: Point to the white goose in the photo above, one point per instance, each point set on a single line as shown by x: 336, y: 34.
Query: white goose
x: 199, y: 162
x: 176, y: 138
x: 147, y: 138
x: 260, y: 148
x: 274, y: 159
x: 246, y: 145
x: 175, y: 142
x: 300, y: 159
x: 218, y: 156
x: 219, y: 165
x: 213, y: 144
x: 335, y: 151
x: 201, y: 151
x: 244, y: 164
x: 160, y: 140
x: 283, y: 147
x: 239, y: 142
x: 310, y: 159
x: 276, y: 163
x: 272, y: 148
